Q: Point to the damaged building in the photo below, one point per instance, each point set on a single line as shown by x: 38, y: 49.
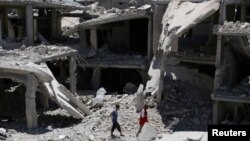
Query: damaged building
x: 186, y: 59
x: 115, y: 48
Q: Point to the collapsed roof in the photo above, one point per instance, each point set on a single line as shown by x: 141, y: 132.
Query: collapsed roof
x: 65, y: 4
x: 110, y: 16
x: 182, y: 16
x: 18, y: 64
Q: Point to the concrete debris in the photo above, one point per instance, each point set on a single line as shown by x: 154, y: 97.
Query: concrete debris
x: 35, y: 54
x: 154, y: 74
x: 110, y: 16
x: 45, y: 3
x: 233, y: 28
x: 180, y: 17
x: 240, y: 90
x: 129, y: 88
x: 147, y: 133
x: 92, y: 137
x: 3, y: 135
x: 185, y: 136
x: 100, y: 94
x: 145, y: 7
x: 105, y: 57
x: 139, y: 98
x: 195, y: 137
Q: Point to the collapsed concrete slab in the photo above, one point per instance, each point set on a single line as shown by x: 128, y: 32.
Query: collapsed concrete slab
x: 147, y: 133
x: 181, y: 16
x: 43, y: 3
x: 110, y: 16
x: 19, y: 66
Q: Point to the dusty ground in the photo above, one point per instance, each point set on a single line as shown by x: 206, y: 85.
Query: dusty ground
x: 57, y: 125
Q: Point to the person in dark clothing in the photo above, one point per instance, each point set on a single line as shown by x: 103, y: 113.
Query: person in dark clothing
x: 114, y: 117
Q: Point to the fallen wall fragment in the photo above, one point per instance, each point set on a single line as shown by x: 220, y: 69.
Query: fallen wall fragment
x: 179, y: 17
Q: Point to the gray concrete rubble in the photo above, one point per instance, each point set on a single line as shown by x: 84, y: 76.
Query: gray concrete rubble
x: 147, y: 133
x: 19, y: 66
x: 100, y: 95
x: 139, y: 98
x: 44, y: 3
x: 66, y: 64
x: 228, y: 28
x: 109, y: 16
x: 181, y: 16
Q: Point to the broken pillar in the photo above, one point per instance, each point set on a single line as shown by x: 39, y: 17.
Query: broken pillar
x: 93, y: 38
x: 72, y: 70
x: 148, y: 133
x: 139, y: 98
x: 29, y: 25
x: 222, y: 12
x: 157, y: 26
x: 96, y: 79
x: 30, y: 98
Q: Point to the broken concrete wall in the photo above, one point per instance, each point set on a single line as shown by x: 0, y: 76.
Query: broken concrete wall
x: 178, y: 18
x: 177, y: 23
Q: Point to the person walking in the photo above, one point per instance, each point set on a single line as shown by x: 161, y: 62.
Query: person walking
x: 143, y: 118
x: 114, y: 117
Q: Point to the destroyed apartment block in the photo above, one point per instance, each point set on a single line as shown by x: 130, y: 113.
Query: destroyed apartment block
x: 231, y: 86
x: 26, y: 23
x: 28, y: 66
x: 31, y: 21
x: 116, y: 45
x: 185, y: 41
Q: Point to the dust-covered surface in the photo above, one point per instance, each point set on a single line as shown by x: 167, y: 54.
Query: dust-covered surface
x: 105, y: 57
x: 185, y: 89
x: 233, y: 28
x: 44, y: 3
x: 34, y: 54
x: 241, y: 90
x: 56, y: 124
x: 109, y: 16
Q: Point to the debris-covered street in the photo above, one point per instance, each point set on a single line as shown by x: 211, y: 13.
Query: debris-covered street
x: 124, y: 70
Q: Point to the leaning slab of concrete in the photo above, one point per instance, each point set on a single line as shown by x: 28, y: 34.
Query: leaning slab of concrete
x: 26, y: 65
x: 43, y: 3
x: 181, y: 16
x: 110, y: 17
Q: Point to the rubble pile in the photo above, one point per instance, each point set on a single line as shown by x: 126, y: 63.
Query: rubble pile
x: 241, y: 90
x: 180, y: 95
x: 98, y: 125
x: 33, y: 53
x: 234, y: 27
x: 105, y: 56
